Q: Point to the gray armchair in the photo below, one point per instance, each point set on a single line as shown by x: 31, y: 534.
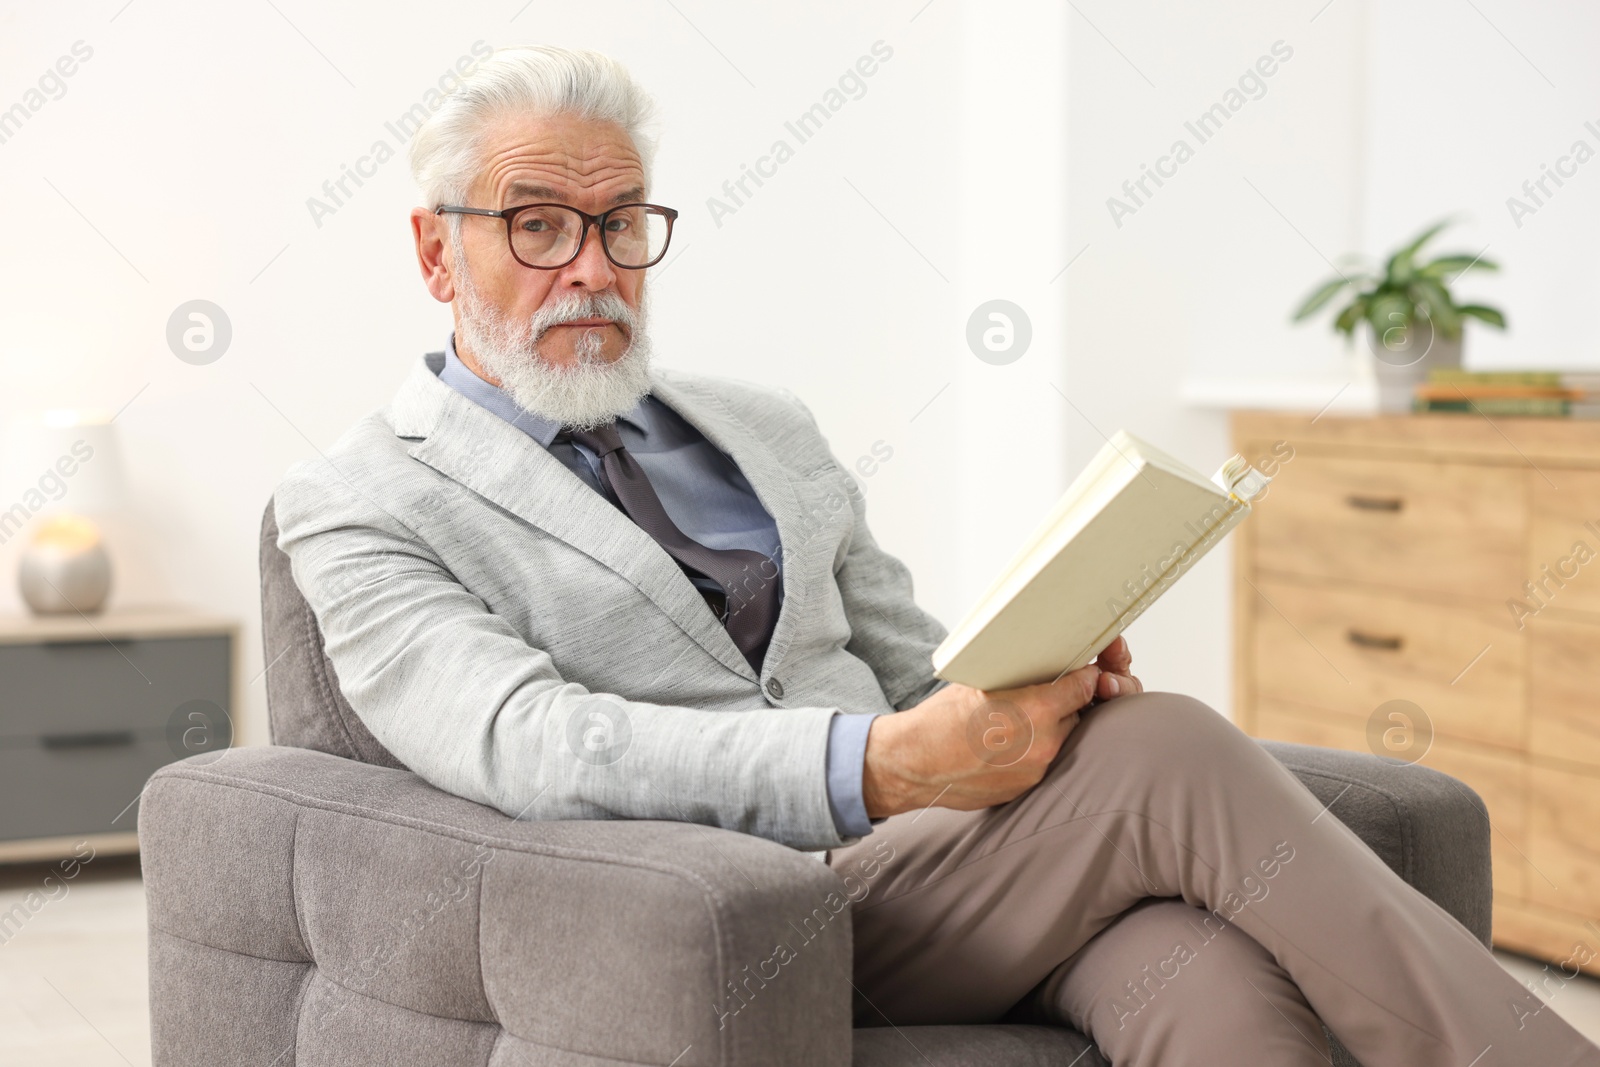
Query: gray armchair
x: 315, y: 903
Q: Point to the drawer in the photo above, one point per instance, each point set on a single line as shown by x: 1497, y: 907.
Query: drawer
x: 1564, y: 690
x: 1558, y: 519
x: 1501, y: 780
x: 81, y: 686
x: 1350, y: 652
x: 1564, y: 840
x: 55, y: 792
x: 1303, y: 726
x: 1451, y: 528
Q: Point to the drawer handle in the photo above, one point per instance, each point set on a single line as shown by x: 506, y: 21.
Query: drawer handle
x: 101, y: 739
x: 1365, y: 640
x: 1375, y: 503
x: 58, y: 643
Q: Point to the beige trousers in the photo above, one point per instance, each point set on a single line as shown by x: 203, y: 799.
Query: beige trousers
x: 1175, y: 893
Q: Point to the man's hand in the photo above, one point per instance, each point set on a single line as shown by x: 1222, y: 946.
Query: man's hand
x: 966, y: 749
x: 1116, y: 671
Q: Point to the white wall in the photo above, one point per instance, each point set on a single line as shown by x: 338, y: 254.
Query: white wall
x: 1468, y: 107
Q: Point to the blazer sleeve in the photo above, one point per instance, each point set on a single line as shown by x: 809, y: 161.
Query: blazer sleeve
x: 888, y: 631
x: 458, y: 695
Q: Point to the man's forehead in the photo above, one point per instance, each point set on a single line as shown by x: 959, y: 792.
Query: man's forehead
x: 553, y: 158
x: 525, y: 190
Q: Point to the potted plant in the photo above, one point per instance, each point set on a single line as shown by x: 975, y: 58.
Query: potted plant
x: 1411, y: 321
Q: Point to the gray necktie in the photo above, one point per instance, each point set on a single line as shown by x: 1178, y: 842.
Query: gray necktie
x: 749, y: 580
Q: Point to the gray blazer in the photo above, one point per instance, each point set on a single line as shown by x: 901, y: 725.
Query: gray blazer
x: 515, y: 639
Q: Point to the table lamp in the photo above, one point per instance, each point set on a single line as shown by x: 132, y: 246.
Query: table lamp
x: 60, y: 471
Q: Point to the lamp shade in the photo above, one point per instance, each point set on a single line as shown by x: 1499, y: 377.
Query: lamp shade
x: 61, y: 463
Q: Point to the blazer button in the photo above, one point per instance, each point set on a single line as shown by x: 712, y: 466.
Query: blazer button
x: 774, y: 689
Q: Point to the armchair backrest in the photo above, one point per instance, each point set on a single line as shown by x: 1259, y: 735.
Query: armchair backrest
x: 305, y: 707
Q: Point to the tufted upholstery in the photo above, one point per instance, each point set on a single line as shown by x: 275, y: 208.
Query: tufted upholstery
x: 318, y: 905
x: 357, y: 915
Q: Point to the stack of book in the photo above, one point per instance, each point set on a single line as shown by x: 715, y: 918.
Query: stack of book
x: 1574, y: 394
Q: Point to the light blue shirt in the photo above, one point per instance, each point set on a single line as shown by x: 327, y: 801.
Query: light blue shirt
x: 710, y: 500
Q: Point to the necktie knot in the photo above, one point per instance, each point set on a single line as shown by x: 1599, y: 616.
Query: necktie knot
x: 602, y: 440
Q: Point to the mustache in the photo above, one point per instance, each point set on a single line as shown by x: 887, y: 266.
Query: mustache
x: 577, y: 306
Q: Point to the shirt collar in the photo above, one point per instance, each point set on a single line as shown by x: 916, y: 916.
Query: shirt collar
x: 459, y: 377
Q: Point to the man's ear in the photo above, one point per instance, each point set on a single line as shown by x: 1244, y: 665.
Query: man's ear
x: 433, y: 256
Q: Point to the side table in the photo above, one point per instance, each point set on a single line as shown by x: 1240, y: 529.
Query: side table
x: 90, y: 706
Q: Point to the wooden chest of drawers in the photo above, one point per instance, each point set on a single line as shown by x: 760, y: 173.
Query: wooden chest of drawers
x: 1450, y: 563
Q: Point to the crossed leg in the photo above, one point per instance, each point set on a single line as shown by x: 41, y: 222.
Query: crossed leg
x: 1170, y: 984
x: 1156, y: 795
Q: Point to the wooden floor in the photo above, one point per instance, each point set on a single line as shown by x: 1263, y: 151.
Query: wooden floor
x: 72, y: 979
x: 73, y: 983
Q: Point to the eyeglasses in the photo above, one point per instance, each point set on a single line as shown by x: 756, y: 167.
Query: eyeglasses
x: 549, y: 236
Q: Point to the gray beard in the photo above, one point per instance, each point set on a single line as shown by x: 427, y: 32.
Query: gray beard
x: 587, y: 394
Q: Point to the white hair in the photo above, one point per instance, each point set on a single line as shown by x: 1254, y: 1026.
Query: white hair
x: 446, y: 153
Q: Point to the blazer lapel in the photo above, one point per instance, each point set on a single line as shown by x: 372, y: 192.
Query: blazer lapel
x: 774, y: 487
x: 478, y: 449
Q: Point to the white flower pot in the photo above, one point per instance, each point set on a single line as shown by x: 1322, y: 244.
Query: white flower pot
x: 1402, y: 358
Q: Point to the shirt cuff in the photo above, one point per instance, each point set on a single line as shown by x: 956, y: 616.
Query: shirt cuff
x: 847, y: 755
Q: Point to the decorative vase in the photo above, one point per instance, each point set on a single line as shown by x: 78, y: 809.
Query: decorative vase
x: 1402, y: 358
x: 65, y: 569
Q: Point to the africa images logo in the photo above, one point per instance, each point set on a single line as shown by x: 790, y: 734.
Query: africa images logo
x: 804, y: 127
x: 1251, y: 85
x: 336, y: 191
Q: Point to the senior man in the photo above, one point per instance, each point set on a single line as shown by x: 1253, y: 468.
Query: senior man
x: 559, y: 580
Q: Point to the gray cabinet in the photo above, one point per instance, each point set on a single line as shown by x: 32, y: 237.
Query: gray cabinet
x: 90, y: 707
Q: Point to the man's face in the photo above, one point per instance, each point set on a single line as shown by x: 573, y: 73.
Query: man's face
x: 588, y: 165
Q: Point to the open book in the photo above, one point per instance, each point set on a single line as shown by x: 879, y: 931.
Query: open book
x: 1127, y: 528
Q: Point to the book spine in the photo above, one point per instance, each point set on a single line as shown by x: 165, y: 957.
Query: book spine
x: 1514, y: 407
x: 1453, y: 375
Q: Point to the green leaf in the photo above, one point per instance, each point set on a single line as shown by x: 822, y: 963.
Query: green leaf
x: 1354, y: 313
x: 1399, y: 268
x: 1484, y: 314
x: 1458, y: 264
x: 1436, y: 304
x: 1411, y: 250
x: 1318, y: 299
x: 1389, y: 312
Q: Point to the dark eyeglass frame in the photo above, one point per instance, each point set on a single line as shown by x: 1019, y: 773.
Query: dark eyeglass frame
x: 510, y: 215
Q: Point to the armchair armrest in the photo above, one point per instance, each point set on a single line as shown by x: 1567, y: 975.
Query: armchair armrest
x: 1431, y: 829
x: 355, y: 914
